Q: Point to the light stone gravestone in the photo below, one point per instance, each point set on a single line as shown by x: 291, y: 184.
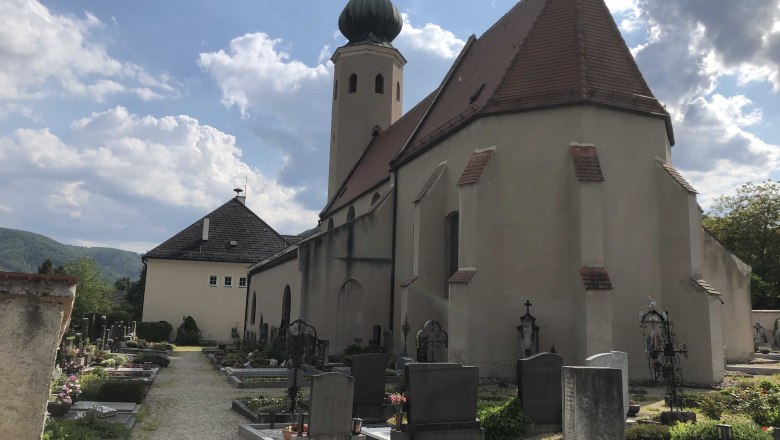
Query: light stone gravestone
x: 442, y: 403
x: 592, y: 403
x: 614, y: 359
x: 369, y: 373
x: 539, y: 387
x: 330, y: 407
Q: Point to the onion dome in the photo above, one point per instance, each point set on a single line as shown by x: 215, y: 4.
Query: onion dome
x: 370, y: 22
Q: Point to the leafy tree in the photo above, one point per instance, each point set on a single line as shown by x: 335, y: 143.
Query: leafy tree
x: 135, y: 295
x: 47, y: 267
x: 748, y: 223
x: 93, y: 293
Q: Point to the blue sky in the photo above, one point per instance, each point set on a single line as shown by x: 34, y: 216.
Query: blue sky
x: 123, y: 122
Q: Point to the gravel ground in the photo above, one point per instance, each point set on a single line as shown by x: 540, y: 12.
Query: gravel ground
x: 190, y: 400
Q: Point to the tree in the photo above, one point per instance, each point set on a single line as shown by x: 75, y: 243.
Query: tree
x: 93, y: 293
x: 135, y: 295
x: 748, y: 223
x: 47, y: 267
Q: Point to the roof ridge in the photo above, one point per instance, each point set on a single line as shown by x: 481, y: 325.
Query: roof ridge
x: 582, y: 65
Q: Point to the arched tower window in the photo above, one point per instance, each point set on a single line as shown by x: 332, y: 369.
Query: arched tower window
x: 379, y: 84
x: 330, y: 223
x: 254, y: 308
x: 335, y: 90
x: 398, y: 91
x: 286, y: 305
x: 374, y: 198
x: 352, y: 83
x: 351, y: 213
x: 375, y: 131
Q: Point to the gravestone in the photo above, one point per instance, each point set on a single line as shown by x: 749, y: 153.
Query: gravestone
x: 759, y: 335
x: 432, y: 342
x: 442, y: 403
x: 614, y: 359
x: 776, y: 333
x: 330, y: 407
x: 592, y: 403
x: 387, y: 338
x: 539, y: 388
x: 402, y: 362
x: 528, y: 333
x: 369, y: 373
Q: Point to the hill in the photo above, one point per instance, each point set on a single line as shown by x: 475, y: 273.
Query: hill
x: 22, y: 251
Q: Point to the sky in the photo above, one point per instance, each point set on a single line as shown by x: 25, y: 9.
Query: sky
x: 121, y: 123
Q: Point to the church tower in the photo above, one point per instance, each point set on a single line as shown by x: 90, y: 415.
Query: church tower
x: 367, y: 84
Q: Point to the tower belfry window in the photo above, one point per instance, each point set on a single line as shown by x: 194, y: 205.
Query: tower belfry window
x: 379, y: 84
x: 398, y: 91
x: 335, y: 90
x: 353, y: 83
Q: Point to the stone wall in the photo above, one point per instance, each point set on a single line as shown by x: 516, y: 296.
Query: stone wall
x: 35, y: 311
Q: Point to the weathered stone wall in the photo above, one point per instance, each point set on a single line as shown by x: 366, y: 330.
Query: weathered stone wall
x: 35, y: 311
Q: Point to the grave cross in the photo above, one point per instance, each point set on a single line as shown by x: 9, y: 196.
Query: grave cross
x: 528, y: 306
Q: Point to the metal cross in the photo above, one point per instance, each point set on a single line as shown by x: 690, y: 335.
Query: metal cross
x: 405, y: 328
x: 528, y: 306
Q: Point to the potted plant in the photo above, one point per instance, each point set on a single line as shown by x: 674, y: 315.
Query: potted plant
x: 291, y: 431
x: 65, y: 398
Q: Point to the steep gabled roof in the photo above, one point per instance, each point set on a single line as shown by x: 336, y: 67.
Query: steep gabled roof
x: 231, y: 222
x: 374, y: 166
x: 541, y: 54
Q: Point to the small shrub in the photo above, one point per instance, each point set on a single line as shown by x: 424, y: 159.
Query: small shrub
x: 765, y: 350
x: 122, y: 391
x: 648, y: 432
x: 154, y: 331
x: 708, y: 431
x: 713, y: 405
x: 84, y: 430
x: 188, y: 332
x: 504, y: 421
x: 132, y: 344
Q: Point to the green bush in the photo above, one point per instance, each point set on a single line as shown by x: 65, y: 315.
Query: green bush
x: 504, y: 421
x: 122, y: 391
x: 91, y: 381
x: 86, y: 429
x: 188, y: 332
x: 713, y: 405
x: 648, y: 432
x: 759, y: 401
x: 159, y: 331
x: 708, y: 431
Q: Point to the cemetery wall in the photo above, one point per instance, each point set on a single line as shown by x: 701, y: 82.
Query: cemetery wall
x: 345, y: 274
x: 731, y: 277
x: 176, y: 288
x: 269, y: 286
x: 35, y: 311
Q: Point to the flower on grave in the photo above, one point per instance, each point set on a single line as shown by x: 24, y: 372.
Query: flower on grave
x: 294, y: 428
x: 398, y: 401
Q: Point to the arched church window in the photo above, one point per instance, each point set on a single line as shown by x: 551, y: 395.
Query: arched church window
x: 374, y: 198
x: 398, y: 91
x: 330, y: 223
x: 351, y: 213
x: 451, y: 228
x: 254, y: 307
x: 286, y: 306
x: 352, y: 83
x: 379, y: 84
x: 335, y: 90
x: 376, y: 131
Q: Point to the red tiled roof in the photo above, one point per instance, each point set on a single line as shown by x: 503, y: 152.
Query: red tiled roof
x: 678, y: 178
x: 595, y: 278
x: 374, y: 166
x: 542, y: 53
x: 586, y: 163
x: 429, y: 183
x: 462, y: 277
x: 475, y: 167
x: 21, y: 276
x: 409, y: 282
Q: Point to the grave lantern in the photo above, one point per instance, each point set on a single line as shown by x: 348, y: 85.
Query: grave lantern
x: 528, y: 333
x: 357, y: 426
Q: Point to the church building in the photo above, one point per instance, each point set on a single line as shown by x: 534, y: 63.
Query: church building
x: 537, y: 174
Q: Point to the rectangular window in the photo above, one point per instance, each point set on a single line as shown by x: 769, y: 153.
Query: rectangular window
x: 242, y: 282
x: 213, y: 280
x: 228, y: 281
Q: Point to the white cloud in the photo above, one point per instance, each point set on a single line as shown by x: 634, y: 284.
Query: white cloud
x: 171, y: 161
x: 431, y: 39
x: 42, y: 53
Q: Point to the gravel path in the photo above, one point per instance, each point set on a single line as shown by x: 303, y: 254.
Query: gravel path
x: 190, y: 400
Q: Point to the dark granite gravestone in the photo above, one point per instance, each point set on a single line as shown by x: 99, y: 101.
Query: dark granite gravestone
x: 592, y: 403
x: 442, y: 403
x: 432, y: 343
x: 369, y: 373
x: 539, y: 387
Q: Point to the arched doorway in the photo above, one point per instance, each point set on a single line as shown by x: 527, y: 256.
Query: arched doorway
x: 349, y: 318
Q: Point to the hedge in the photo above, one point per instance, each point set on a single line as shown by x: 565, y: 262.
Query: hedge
x: 159, y: 331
